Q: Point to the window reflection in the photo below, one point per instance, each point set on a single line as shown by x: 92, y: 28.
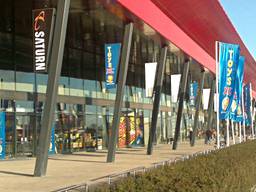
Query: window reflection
x: 82, y: 124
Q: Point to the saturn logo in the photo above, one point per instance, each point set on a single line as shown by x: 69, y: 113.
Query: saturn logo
x: 40, y: 17
x: 40, y: 41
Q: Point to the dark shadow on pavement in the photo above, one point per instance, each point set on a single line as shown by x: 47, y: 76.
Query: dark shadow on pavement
x: 74, y: 160
x: 15, y: 173
x: 88, y: 155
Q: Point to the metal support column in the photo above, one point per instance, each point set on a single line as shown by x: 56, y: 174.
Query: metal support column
x: 182, y: 91
x: 157, y: 97
x: 35, y: 116
x: 123, y: 68
x: 198, y: 106
x: 52, y: 86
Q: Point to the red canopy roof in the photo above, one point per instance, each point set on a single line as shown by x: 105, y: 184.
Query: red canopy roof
x: 194, y: 26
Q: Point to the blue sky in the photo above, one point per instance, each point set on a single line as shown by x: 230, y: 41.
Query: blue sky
x: 243, y: 16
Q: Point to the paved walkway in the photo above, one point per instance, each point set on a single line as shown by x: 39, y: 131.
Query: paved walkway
x: 66, y: 170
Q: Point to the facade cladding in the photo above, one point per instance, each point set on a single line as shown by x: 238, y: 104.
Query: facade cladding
x: 84, y: 111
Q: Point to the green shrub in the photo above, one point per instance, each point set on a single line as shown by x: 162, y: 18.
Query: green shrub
x: 230, y: 169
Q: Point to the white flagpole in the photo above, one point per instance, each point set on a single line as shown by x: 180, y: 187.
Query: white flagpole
x: 243, y: 114
x: 227, y: 134
x: 233, y: 132
x: 253, y: 121
x: 240, y: 132
x: 217, y: 92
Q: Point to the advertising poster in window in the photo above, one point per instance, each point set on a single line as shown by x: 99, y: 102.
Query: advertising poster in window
x: 131, y: 133
x: 52, y: 142
x: 139, y: 141
x: 2, y: 135
x: 122, y: 133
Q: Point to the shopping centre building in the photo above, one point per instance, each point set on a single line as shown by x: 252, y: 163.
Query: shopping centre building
x: 84, y: 109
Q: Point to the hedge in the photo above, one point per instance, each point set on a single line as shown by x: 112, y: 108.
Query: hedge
x: 229, y: 169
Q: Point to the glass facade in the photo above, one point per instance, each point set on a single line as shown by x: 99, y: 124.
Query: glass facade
x: 84, y: 110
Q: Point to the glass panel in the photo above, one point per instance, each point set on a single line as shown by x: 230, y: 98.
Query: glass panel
x: 7, y: 80
x: 76, y: 87
x: 24, y: 135
x: 25, y: 81
x: 41, y: 82
x: 64, y: 86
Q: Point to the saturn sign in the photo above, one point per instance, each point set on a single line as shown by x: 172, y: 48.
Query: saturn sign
x: 42, y: 30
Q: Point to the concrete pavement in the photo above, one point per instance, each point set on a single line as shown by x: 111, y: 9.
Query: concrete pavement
x: 79, y: 167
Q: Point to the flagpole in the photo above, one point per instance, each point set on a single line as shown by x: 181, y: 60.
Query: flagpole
x: 253, y: 115
x: 244, y: 139
x: 227, y: 133
x: 240, y: 132
x: 217, y: 92
x: 233, y: 132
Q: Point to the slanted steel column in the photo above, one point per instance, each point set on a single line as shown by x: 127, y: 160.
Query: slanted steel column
x: 210, y: 105
x: 198, y: 106
x: 123, y: 68
x: 157, y: 97
x: 35, y: 116
x: 52, y: 86
x: 182, y: 92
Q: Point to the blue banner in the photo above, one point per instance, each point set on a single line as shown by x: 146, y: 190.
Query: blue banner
x: 52, y: 142
x: 247, y: 104
x: 238, y: 115
x: 228, y: 62
x: 2, y: 135
x: 193, y: 93
x: 112, y: 54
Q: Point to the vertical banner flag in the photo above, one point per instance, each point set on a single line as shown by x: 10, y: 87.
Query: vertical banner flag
x: 43, y: 21
x: 112, y: 54
x: 2, y: 135
x: 52, y: 142
x: 228, y: 61
x: 239, y: 86
x: 193, y: 93
x: 247, y: 104
x: 206, y: 98
x: 175, y: 85
x: 150, y: 73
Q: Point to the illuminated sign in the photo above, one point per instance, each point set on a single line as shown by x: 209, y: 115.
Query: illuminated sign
x: 42, y: 32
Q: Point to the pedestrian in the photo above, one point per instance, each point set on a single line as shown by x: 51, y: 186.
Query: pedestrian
x: 190, y: 134
x: 208, y: 136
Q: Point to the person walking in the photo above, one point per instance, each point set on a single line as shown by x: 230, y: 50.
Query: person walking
x: 190, y: 134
